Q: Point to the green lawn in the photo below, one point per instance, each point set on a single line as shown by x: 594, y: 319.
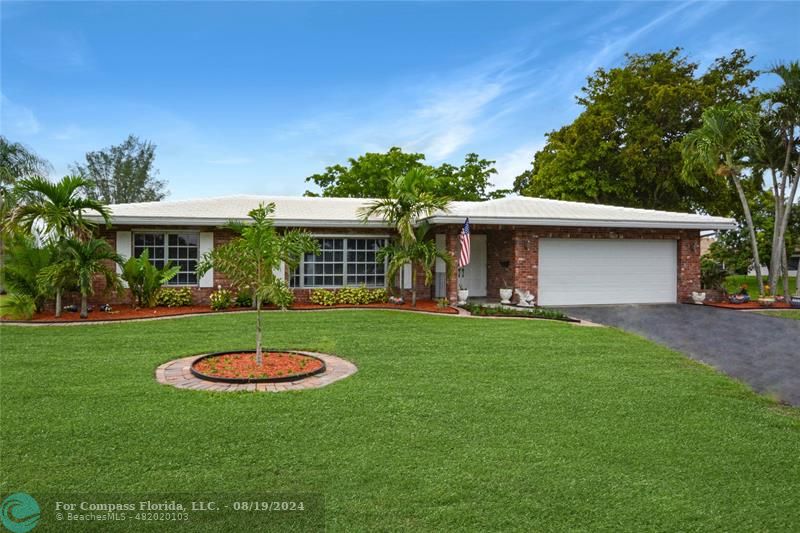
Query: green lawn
x: 792, y: 313
x: 732, y: 284
x: 450, y: 424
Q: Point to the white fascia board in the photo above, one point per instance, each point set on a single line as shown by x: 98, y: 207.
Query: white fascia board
x: 591, y: 223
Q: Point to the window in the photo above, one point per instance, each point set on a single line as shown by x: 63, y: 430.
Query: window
x: 342, y: 262
x: 180, y: 249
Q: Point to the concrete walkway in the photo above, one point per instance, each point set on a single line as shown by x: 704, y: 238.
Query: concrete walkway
x: 763, y: 351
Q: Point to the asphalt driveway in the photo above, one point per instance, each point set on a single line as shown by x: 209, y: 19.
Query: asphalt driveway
x: 760, y: 350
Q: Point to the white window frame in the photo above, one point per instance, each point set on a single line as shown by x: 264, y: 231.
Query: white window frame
x: 345, y: 237
x: 166, y: 234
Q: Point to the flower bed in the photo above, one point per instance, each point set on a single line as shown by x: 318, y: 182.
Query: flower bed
x: 532, y: 312
x: 241, y: 367
x: 128, y: 312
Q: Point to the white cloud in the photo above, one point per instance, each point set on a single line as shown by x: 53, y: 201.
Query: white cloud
x: 16, y: 120
x: 69, y: 133
x: 512, y: 164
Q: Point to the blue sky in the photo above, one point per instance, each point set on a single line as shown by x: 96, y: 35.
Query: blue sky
x: 254, y: 97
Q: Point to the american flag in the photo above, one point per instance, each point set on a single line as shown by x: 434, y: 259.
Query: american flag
x: 463, y: 238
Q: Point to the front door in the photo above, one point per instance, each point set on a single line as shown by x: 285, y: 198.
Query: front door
x: 474, y: 274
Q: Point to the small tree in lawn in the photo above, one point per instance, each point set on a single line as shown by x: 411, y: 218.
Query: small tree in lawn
x: 250, y: 260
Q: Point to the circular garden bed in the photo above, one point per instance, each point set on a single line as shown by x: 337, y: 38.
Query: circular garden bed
x: 241, y: 367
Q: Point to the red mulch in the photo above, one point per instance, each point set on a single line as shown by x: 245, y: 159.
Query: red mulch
x: 127, y: 312
x: 243, y: 365
x: 750, y: 305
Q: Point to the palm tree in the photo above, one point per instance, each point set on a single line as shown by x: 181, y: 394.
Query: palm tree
x: 420, y: 253
x: 57, y: 210
x: 729, y: 132
x: 82, y: 261
x: 251, y: 259
x: 410, y: 198
x: 25, y: 260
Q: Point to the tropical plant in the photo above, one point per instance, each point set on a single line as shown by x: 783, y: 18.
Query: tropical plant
x: 145, y: 279
x: 410, y: 198
x: 24, y: 261
x: 18, y: 307
x: 221, y: 299
x: 83, y: 261
x: 251, y: 259
x: 421, y: 253
x: 712, y: 274
x: 720, y: 146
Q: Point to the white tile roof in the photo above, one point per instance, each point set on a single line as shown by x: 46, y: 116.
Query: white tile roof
x: 343, y: 212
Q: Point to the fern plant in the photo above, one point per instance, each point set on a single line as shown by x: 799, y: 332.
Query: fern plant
x: 145, y: 279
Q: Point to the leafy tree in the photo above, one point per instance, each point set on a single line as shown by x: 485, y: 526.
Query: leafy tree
x: 145, y: 279
x: 420, y: 252
x: 83, y: 261
x: 57, y: 211
x: 251, y: 259
x: 624, y: 148
x: 728, y: 134
x: 366, y: 176
x: 123, y: 173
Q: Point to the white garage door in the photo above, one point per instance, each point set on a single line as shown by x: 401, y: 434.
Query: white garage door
x: 607, y: 271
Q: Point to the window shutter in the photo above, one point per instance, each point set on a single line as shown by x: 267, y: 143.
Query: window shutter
x: 280, y: 272
x: 206, y: 245
x: 441, y: 245
x: 406, y: 276
x: 123, y: 249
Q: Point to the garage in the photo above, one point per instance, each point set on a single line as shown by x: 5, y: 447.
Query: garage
x: 607, y: 271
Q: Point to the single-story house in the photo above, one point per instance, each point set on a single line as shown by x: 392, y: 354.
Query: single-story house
x: 565, y: 253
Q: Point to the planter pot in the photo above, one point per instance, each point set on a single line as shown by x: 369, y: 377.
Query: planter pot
x: 796, y: 302
x: 698, y: 297
x: 463, y: 294
x: 766, y: 302
x: 505, y: 295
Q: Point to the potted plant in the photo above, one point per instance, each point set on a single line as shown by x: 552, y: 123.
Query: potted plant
x: 463, y: 294
x: 765, y: 300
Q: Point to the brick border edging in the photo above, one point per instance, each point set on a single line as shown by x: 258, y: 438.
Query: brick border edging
x: 176, y: 373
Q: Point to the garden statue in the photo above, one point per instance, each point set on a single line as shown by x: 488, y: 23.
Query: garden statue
x: 526, y: 299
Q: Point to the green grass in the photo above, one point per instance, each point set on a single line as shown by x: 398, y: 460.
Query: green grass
x: 791, y: 313
x: 449, y: 424
x: 732, y: 284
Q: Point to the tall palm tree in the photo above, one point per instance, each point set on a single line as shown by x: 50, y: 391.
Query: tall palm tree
x: 729, y: 132
x: 82, y: 261
x: 410, y: 198
x: 57, y: 210
x: 420, y: 253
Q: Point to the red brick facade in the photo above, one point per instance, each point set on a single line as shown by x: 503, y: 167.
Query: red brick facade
x: 512, y: 257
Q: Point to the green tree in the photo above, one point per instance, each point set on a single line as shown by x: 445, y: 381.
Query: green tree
x: 83, y: 261
x: 420, y: 253
x: 123, y: 173
x: 624, y: 148
x: 251, y: 259
x: 719, y: 147
x: 365, y: 176
x: 56, y: 211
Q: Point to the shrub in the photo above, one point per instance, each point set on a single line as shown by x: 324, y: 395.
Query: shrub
x: 144, y: 279
x: 322, y: 297
x: 174, y: 297
x: 712, y: 274
x: 377, y: 296
x: 281, y: 295
x: 18, y: 307
x: 244, y: 298
x: 221, y: 299
x: 532, y: 312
